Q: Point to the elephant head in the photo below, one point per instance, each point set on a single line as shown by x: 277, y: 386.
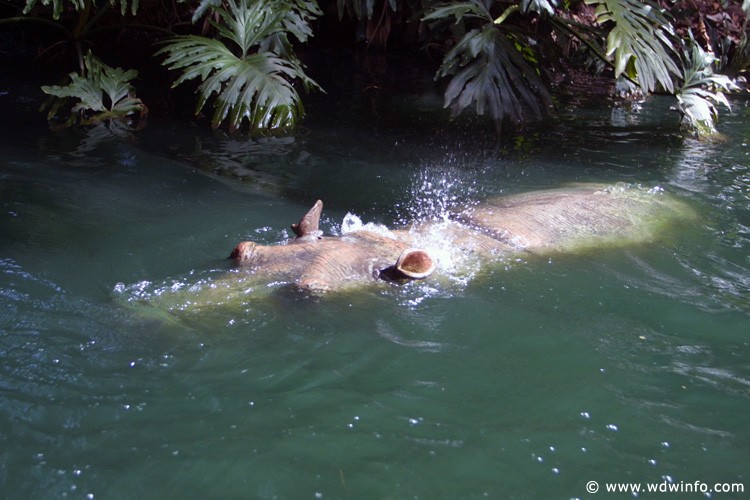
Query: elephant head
x: 323, y: 263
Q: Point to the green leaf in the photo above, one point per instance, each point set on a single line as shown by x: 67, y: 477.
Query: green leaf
x: 203, y: 7
x: 490, y: 72
x: 57, y: 6
x: 102, y: 94
x: 459, y: 10
x: 701, y: 91
x: 539, y: 6
x: 124, y: 6
x: 77, y: 5
x: 641, y: 42
x: 255, y: 85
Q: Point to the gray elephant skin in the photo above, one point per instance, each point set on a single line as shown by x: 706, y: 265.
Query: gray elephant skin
x: 570, y: 220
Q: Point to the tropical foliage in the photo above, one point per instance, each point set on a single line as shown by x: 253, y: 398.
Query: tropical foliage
x: 252, y: 78
x: 493, y: 69
x: 498, y: 62
x: 640, y: 42
x: 701, y: 91
x: 500, y: 58
x: 100, y: 94
x: 79, y: 6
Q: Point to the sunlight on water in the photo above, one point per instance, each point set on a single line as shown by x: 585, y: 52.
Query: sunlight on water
x: 525, y: 379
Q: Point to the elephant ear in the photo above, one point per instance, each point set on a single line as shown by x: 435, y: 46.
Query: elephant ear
x: 308, y: 226
x: 415, y: 263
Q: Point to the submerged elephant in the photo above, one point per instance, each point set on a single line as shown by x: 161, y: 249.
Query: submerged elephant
x: 536, y: 223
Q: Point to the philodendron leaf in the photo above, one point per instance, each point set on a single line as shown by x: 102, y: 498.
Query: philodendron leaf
x: 490, y: 72
x: 701, y: 91
x: 102, y: 94
x: 472, y: 8
x: 640, y: 42
x: 254, y: 83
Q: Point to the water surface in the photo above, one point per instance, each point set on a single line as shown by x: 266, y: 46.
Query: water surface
x: 524, y: 380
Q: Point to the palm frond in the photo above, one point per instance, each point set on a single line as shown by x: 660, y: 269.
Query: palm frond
x: 640, y: 41
x: 489, y: 70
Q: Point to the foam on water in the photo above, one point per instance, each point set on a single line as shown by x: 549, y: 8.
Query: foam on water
x: 353, y: 223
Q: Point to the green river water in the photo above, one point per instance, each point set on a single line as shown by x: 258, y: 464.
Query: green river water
x: 526, y: 380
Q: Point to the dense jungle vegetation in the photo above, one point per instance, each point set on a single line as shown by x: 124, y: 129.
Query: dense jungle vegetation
x: 502, y: 59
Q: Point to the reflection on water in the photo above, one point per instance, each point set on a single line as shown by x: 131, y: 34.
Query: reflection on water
x: 526, y: 380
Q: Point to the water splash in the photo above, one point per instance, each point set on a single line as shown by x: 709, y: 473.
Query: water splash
x: 353, y: 223
x: 438, y: 192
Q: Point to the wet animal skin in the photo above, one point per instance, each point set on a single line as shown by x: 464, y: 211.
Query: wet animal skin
x: 542, y: 222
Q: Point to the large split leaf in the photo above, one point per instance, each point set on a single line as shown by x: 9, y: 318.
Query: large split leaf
x: 459, y: 10
x: 701, y: 91
x: 253, y: 83
x: 641, y: 42
x: 102, y: 93
x: 490, y: 71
